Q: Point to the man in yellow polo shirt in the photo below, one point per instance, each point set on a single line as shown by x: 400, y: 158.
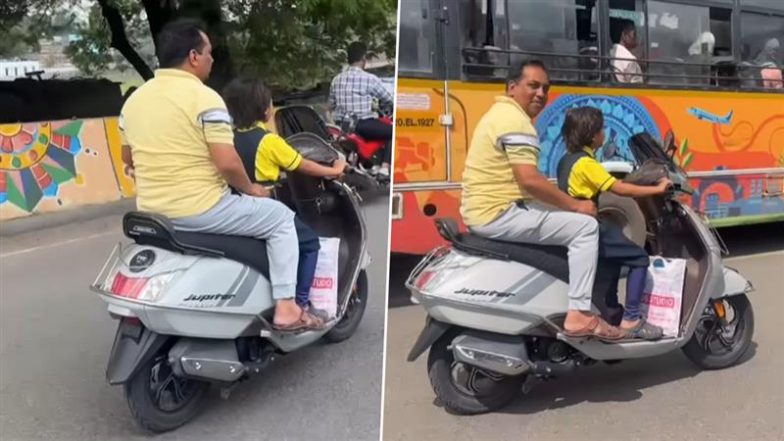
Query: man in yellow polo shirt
x: 506, y: 198
x: 179, y: 141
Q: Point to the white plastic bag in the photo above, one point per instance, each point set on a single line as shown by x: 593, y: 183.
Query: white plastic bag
x: 324, y: 290
x: 663, y: 295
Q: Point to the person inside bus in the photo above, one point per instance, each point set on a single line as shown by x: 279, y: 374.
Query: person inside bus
x: 264, y: 155
x: 624, y: 63
x: 768, y: 55
x: 506, y: 198
x: 352, y: 94
x: 582, y: 177
x: 767, y: 59
x: 701, y: 53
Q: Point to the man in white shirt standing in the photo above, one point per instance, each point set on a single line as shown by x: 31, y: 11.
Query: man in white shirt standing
x: 624, y: 63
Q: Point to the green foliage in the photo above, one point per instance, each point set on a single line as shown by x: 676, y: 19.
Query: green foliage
x: 18, y: 40
x: 289, y: 43
x: 92, y: 52
x: 299, y: 43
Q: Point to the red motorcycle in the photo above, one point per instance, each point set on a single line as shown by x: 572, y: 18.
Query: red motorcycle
x: 361, y: 154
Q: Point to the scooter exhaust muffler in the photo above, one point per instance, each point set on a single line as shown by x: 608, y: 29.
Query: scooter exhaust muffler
x: 210, y: 360
x: 493, y: 352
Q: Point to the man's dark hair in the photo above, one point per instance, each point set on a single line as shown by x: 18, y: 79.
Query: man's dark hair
x: 516, y: 70
x: 247, y: 100
x: 177, y: 39
x: 580, y: 126
x: 622, y: 26
x: 355, y: 52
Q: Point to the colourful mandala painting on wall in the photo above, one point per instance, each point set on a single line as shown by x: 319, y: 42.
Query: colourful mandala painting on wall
x: 35, y: 160
x: 623, y: 118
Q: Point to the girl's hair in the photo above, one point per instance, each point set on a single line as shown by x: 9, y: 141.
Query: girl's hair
x: 580, y: 126
x: 247, y: 100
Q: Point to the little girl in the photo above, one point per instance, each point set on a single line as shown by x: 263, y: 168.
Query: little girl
x: 264, y: 155
x: 582, y: 177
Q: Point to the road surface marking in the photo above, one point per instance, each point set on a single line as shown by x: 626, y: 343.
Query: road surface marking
x: 56, y: 244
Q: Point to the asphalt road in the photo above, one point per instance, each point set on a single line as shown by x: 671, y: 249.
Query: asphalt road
x: 658, y: 399
x: 55, y: 337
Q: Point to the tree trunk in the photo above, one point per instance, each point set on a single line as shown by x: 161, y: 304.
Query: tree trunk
x: 158, y: 14
x: 209, y: 12
x: 120, y: 39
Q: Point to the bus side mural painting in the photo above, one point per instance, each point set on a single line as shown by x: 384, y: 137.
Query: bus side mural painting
x: 53, y: 165
x: 731, y: 144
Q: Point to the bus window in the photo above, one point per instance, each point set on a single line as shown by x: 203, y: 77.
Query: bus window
x: 417, y: 34
x: 626, y: 15
x: 485, y: 34
x: 685, y: 40
x: 762, y: 54
x: 769, y: 4
x: 563, y: 27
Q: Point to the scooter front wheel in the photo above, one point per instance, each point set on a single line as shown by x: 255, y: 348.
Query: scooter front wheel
x: 349, y: 323
x: 161, y: 401
x: 723, y: 333
x: 464, y: 389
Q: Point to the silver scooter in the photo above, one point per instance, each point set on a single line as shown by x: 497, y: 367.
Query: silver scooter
x: 496, y: 309
x: 196, y: 309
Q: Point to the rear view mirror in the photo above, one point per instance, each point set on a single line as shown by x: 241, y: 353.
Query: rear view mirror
x: 669, y: 143
x: 609, y: 150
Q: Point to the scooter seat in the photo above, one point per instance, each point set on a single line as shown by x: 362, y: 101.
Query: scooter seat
x: 547, y: 258
x: 157, y: 231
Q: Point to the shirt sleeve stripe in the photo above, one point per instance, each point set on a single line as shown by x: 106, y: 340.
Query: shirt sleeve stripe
x: 517, y: 139
x: 214, y: 116
x: 293, y: 161
x: 607, y: 183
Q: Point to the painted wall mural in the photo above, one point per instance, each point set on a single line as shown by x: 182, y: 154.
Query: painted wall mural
x: 714, y: 140
x: 716, y: 133
x: 50, y: 165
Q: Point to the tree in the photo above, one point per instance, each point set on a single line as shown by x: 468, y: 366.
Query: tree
x: 18, y: 40
x: 299, y: 43
x: 119, y: 24
x: 290, y: 43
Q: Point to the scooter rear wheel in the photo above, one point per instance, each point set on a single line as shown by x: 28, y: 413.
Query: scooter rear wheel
x: 717, y: 345
x: 464, y: 389
x: 161, y: 401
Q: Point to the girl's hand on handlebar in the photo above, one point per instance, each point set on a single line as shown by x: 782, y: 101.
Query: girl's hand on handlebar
x: 663, y: 185
x: 339, y: 167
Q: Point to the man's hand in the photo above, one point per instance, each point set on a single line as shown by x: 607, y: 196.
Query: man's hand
x: 585, y: 207
x: 258, y: 190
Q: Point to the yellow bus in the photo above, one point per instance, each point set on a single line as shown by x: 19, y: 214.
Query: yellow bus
x: 710, y: 71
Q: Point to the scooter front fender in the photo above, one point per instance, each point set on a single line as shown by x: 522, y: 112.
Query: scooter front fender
x: 432, y: 331
x: 734, y: 284
x: 134, y: 345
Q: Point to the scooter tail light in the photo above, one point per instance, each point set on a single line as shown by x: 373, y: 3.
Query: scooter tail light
x: 140, y: 288
x: 129, y: 287
x: 424, y: 278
